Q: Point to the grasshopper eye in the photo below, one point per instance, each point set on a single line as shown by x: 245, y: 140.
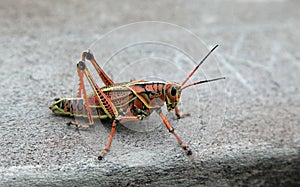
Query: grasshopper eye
x: 173, y: 91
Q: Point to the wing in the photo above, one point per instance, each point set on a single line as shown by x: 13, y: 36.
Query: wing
x: 119, y: 94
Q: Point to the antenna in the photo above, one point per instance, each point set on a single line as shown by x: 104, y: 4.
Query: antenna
x: 201, y: 62
x: 200, y: 82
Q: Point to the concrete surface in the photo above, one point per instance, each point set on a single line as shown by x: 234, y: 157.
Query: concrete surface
x: 258, y: 143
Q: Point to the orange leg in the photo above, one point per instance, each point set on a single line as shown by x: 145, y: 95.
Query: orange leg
x: 104, y: 101
x: 112, y: 132
x: 171, y: 130
x: 105, y: 78
x: 81, y: 91
x: 180, y: 115
x: 111, y: 135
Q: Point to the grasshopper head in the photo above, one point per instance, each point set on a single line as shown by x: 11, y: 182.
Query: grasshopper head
x: 173, y: 90
x: 172, y: 95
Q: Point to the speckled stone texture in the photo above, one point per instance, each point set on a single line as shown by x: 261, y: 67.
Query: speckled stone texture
x: 258, y: 143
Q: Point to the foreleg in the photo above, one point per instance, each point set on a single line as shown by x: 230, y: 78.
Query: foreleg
x: 180, y: 115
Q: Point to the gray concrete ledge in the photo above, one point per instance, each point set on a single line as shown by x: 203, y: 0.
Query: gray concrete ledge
x: 254, y: 142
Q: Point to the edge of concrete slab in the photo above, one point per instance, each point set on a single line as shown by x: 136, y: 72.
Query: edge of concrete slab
x: 268, y: 166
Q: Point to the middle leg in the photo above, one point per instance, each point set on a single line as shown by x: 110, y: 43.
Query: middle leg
x: 122, y: 119
x: 171, y: 130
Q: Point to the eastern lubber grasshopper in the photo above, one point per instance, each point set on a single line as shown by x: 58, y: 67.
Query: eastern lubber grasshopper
x: 123, y: 102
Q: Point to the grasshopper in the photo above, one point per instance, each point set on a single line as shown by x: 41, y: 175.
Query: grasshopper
x: 123, y: 102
